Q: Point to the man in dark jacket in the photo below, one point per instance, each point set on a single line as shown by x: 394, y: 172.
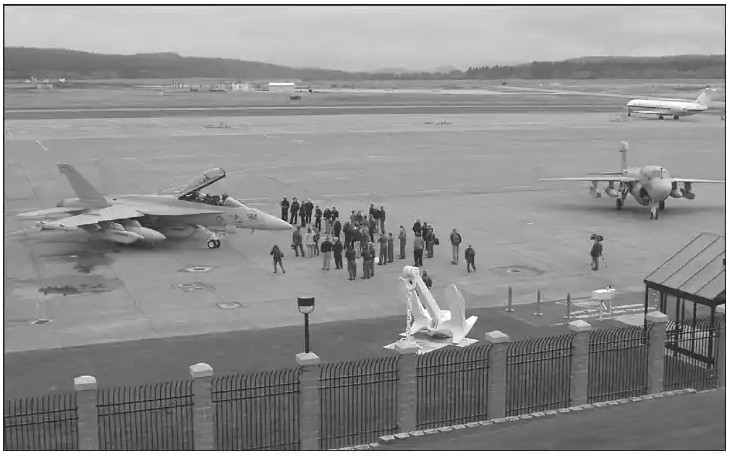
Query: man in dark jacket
x: 294, y: 210
x: 335, y: 213
x: 318, y: 217
x: 455, y: 242
x: 336, y: 226
x: 308, y: 208
x: 351, y: 265
x: 381, y: 212
x: 297, y: 242
x: 596, y: 250
x: 303, y: 214
x: 276, y: 252
x: 372, y: 226
x: 327, y: 215
x: 418, y: 246
x: 326, y: 253
x: 284, y: 208
x: 417, y: 227
x: 337, y: 250
x: 372, y: 259
x: 426, y: 279
x: 383, y: 242
x: 402, y: 241
x: 366, y: 263
x: 390, y: 247
x: 469, y: 254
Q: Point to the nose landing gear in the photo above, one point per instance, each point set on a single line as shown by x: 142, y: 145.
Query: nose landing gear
x: 214, y: 243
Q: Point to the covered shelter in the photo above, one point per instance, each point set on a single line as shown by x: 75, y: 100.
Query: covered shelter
x: 690, y: 286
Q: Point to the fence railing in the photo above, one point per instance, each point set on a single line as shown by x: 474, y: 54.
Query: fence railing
x: 618, y: 363
x: 358, y: 401
x: 146, y: 417
x: 45, y: 423
x: 452, y: 386
x: 538, y: 375
x: 691, y: 352
x: 258, y: 411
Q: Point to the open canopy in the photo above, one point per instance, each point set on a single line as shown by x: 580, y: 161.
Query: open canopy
x: 201, y: 181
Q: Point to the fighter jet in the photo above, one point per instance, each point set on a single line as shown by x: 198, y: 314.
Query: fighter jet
x: 129, y: 219
x: 649, y: 185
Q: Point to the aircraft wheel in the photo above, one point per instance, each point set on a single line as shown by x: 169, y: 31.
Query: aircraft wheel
x: 661, y: 205
x: 661, y: 117
x: 212, y: 244
x: 619, y: 203
x: 676, y: 117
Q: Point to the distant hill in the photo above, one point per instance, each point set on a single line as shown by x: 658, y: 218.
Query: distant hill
x: 22, y: 63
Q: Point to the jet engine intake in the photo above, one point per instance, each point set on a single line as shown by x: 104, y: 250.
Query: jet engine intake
x: 687, y: 191
x: 611, y: 191
x: 675, y: 193
x: 640, y: 194
x: 594, y: 190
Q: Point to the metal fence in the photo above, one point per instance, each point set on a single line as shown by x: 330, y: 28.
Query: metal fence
x: 690, y: 354
x: 452, y: 386
x: 618, y: 363
x: 45, y: 423
x: 358, y: 401
x: 146, y: 417
x: 258, y: 411
x: 538, y: 374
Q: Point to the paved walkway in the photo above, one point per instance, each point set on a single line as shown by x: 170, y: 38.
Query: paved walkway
x: 691, y: 422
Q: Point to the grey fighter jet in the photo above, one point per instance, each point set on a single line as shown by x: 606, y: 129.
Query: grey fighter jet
x: 129, y: 219
x: 649, y: 185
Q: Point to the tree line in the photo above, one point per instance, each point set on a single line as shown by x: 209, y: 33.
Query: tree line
x: 23, y: 63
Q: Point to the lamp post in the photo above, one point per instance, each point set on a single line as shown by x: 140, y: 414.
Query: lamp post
x: 306, y: 306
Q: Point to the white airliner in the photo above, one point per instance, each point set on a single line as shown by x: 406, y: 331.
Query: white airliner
x: 674, y: 108
x: 649, y: 185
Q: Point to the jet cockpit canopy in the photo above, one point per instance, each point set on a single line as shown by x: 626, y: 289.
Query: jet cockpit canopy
x: 199, y: 182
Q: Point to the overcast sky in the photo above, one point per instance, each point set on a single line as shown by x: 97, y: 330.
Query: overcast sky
x: 372, y: 37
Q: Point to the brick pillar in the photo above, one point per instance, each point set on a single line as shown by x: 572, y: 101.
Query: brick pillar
x: 88, y: 415
x: 309, y: 403
x: 720, y: 361
x: 579, y: 362
x: 497, y: 389
x: 657, y: 336
x: 407, y: 394
x: 203, y: 413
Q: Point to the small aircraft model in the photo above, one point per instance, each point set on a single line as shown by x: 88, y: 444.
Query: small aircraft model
x: 128, y: 219
x: 649, y: 185
x: 673, y: 108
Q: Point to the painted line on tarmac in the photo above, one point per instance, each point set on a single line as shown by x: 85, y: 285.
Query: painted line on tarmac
x: 38, y: 141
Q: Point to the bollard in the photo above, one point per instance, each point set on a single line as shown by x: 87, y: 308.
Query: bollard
x: 538, y: 313
x: 509, y: 300
x: 567, y: 312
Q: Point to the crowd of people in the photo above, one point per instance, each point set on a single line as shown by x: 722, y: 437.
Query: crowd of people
x: 357, y: 238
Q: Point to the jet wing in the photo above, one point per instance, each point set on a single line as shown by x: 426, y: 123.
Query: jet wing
x: 697, y: 181
x: 124, y: 211
x: 160, y: 209
x: 604, y: 178
x: 53, y: 212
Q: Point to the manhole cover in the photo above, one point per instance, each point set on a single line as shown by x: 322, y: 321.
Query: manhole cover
x: 518, y: 270
x: 229, y: 305
x: 41, y: 321
x: 196, y: 269
x: 194, y: 286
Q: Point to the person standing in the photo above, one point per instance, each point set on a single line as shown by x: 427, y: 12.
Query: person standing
x: 402, y: 240
x: 318, y: 217
x: 297, y: 242
x: 426, y: 279
x: 326, y: 253
x: 383, y: 242
x: 276, y: 253
x: 455, y: 242
x: 294, y: 210
x: 372, y: 259
x: 335, y: 213
x: 336, y: 226
x: 309, y: 241
x: 372, y: 227
x: 337, y: 251
x: 308, y: 207
x: 365, y: 263
x: 596, y: 251
x: 430, y: 238
x: 327, y: 215
x: 303, y: 214
x: 469, y: 254
x: 418, y: 245
x: 382, y: 219
x: 284, y: 208
x: 351, y: 264
x: 315, y: 239
x: 390, y: 247
x: 417, y: 227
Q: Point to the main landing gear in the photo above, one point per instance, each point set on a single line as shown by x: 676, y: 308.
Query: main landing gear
x: 214, y: 243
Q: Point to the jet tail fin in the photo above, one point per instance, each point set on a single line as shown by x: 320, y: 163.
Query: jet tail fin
x: 624, y: 149
x: 86, y: 193
x: 705, y: 97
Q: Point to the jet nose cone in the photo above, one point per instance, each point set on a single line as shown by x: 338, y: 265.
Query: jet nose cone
x: 661, y: 189
x: 275, y: 223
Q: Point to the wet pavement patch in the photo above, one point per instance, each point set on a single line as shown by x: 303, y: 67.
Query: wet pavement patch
x: 194, y: 286
x: 196, y: 269
x: 79, y: 285
x: 230, y: 305
x: 518, y: 270
x: 83, y: 261
x: 41, y: 321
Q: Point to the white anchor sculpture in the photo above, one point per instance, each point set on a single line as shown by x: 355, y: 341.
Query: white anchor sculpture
x: 428, y: 317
